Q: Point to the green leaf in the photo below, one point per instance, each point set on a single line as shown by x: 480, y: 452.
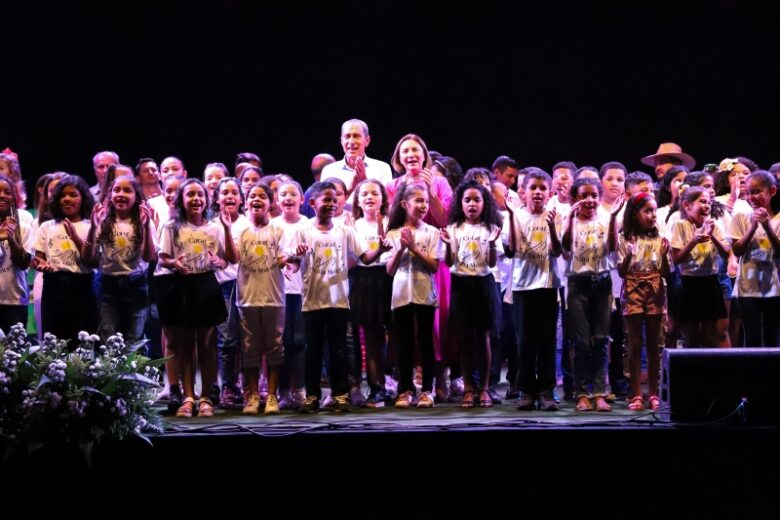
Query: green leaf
x: 140, y: 378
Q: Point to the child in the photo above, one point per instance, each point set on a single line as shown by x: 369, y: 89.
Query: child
x: 589, y: 240
x: 470, y: 252
x: 642, y: 262
x: 533, y: 238
x: 371, y: 288
x: 755, y: 242
x: 343, y: 214
x: 191, y: 305
x: 15, y: 242
x: 212, y: 174
x: 230, y: 201
x: 250, y: 176
x: 696, y: 242
x: 414, y: 259
x: 260, y: 299
x: 68, y: 303
x: 324, y: 247
x: 291, y: 378
x: 120, y: 243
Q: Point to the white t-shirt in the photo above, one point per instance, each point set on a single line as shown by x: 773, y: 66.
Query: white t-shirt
x: 374, y: 170
x: 61, y: 253
x: 293, y: 282
x: 703, y: 258
x: 240, y: 224
x: 757, y: 276
x: 123, y: 255
x: 413, y: 282
x: 195, y: 243
x: 325, y: 266
x: 589, y: 252
x: 535, y: 267
x: 260, y: 281
x: 369, y: 235
x: 13, y: 281
x: 647, y: 256
x: 160, y: 207
x: 470, y: 249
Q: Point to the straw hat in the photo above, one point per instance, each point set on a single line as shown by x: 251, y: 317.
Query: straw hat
x: 670, y: 150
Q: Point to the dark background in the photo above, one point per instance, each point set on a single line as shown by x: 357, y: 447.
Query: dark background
x: 543, y: 81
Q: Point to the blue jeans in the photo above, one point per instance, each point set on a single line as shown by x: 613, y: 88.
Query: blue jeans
x: 229, y: 337
x: 123, y: 306
x: 588, y: 309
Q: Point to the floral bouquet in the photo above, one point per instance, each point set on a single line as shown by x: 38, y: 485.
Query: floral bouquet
x: 52, y: 393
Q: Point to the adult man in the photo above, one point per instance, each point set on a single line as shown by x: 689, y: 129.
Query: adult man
x: 355, y: 167
x: 100, y: 163
x: 668, y: 155
x: 506, y: 170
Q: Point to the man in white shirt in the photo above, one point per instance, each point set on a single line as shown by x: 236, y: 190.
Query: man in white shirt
x: 355, y: 167
x: 100, y: 163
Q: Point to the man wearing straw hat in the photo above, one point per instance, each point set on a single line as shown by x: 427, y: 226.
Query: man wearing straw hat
x: 668, y: 155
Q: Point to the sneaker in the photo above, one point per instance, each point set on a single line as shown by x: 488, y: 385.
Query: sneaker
x: 299, y: 396
x: 547, y: 402
x: 457, y: 387
x: 309, y: 405
x: 252, y: 405
x: 328, y: 401
x: 425, y: 400
x: 175, y: 399
x: 341, y: 403
x: 404, y: 400
x: 228, y: 399
x: 377, y: 399
x: 493, y: 395
x: 356, y: 397
x: 286, y: 401
x: 271, y: 405
x: 391, y: 385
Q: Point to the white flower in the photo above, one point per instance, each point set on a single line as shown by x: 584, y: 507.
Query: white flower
x: 83, y: 336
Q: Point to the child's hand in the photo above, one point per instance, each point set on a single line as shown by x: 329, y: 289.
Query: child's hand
x: 665, y: 246
x: 349, y: 220
x: 7, y: 228
x: 445, y: 237
x: 708, y: 226
x: 631, y: 247
x: 98, y: 214
x: 575, y: 209
x: 494, y: 235
x: 733, y: 266
x: 407, y: 239
x: 224, y: 218
x: 760, y: 216
x: 43, y: 266
x: 619, y: 203
x: 301, y: 249
x: 550, y: 218
x: 380, y: 227
x: 180, y: 266
x: 145, y: 213
x: 216, y: 261
x: 70, y: 230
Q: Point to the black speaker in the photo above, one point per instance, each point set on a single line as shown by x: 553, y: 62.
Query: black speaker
x: 703, y: 385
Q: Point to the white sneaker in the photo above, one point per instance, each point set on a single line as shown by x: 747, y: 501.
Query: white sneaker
x: 391, y: 385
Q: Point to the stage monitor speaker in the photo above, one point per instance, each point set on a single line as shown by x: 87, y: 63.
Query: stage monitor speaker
x: 702, y: 385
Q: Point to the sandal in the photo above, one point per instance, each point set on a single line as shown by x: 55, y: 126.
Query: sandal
x: 485, y: 403
x: 655, y: 403
x: 583, y: 404
x: 187, y: 408
x: 205, y: 407
x: 637, y: 404
x: 601, y: 404
x: 468, y: 400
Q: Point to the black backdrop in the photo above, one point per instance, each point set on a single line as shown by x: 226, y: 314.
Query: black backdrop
x: 543, y: 81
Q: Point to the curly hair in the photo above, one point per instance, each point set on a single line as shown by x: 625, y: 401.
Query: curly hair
x: 179, y: 213
x: 215, y: 209
x: 630, y: 225
x: 490, y: 214
x: 87, y: 201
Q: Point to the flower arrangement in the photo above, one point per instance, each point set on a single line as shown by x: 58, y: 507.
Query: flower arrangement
x: 54, y: 393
